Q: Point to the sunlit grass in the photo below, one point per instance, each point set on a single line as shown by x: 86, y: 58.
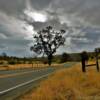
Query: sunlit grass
x: 22, y: 66
x: 68, y: 84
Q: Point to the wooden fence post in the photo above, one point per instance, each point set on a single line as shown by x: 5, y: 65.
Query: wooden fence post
x: 97, y: 63
x: 84, y: 58
x: 83, y: 65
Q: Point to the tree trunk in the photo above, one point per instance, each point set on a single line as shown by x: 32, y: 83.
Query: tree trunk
x: 50, y: 59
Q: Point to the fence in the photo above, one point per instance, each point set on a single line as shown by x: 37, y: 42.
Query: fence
x: 84, y: 60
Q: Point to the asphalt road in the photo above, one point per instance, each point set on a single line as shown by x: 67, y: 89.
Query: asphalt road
x: 14, y: 83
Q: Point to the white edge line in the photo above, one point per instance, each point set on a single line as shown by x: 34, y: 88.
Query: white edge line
x: 5, y: 91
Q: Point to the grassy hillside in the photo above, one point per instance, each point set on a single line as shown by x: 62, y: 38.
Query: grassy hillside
x: 68, y: 84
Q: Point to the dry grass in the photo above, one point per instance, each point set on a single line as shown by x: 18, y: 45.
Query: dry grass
x: 22, y: 66
x: 68, y: 84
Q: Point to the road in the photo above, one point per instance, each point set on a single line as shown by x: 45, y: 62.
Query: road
x: 16, y: 82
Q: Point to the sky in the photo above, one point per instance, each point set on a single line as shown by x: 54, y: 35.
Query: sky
x: 80, y: 19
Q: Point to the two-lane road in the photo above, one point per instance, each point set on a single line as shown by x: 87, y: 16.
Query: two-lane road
x: 14, y: 83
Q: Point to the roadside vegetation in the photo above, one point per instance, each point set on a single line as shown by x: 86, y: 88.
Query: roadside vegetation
x: 68, y: 84
x: 8, y: 62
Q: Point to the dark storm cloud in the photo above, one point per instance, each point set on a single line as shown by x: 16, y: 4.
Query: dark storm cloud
x: 81, y: 16
x: 40, y: 4
x: 87, y: 10
x: 12, y: 6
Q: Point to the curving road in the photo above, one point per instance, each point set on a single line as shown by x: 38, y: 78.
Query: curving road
x: 16, y: 82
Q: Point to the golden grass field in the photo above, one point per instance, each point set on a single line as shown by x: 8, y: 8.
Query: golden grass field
x: 68, y: 84
x: 22, y: 66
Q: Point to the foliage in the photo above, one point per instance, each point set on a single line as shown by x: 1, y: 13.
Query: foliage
x: 47, y: 41
x: 4, y: 54
x: 64, y: 57
x: 12, y: 62
x: 1, y: 62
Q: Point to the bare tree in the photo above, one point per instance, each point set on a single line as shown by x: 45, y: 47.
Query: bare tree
x: 47, y: 41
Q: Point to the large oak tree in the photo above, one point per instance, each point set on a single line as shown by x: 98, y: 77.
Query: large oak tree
x: 47, y: 41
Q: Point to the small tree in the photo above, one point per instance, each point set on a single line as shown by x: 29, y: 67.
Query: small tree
x: 4, y: 54
x: 47, y: 41
x: 64, y: 57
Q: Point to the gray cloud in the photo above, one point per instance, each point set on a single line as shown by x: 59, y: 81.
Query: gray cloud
x: 40, y: 5
x: 12, y: 6
x: 81, y: 16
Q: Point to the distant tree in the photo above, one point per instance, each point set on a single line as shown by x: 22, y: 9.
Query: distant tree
x: 64, y: 57
x: 12, y: 62
x: 4, y: 54
x: 47, y: 41
x: 45, y: 61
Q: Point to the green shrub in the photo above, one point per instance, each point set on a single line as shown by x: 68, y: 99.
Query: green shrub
x: 12, y: 62
x: 1, y: 63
